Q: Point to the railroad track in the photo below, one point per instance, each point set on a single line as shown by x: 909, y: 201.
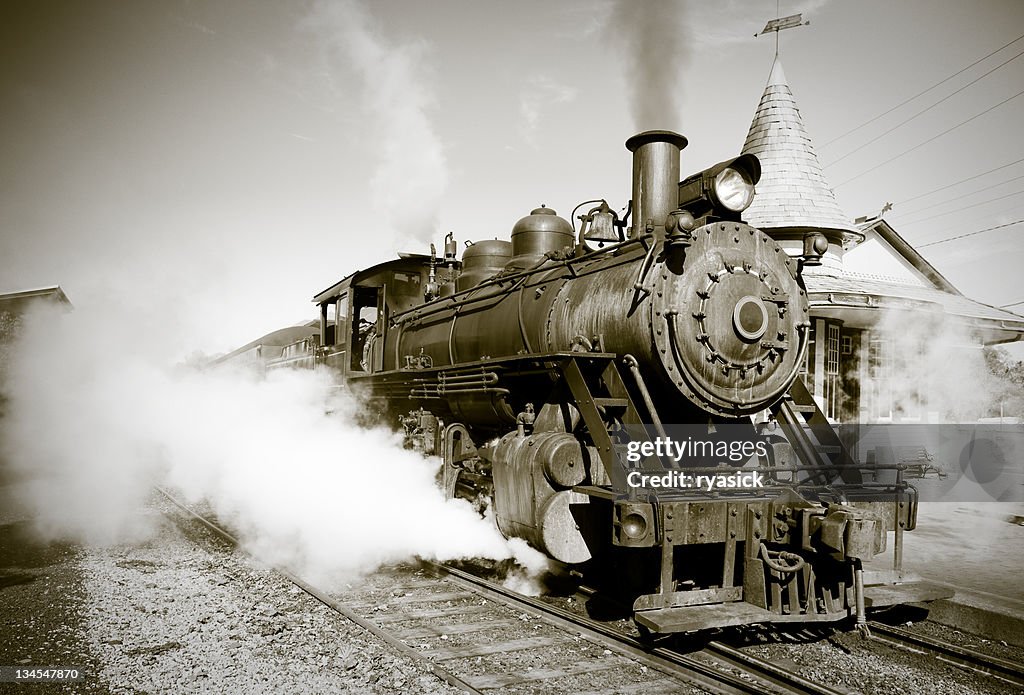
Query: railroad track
x: 950, y: 653
x: 758, y: 675
x: 449, y: 624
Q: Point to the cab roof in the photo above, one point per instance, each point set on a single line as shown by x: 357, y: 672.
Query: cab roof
x: 405, y: 261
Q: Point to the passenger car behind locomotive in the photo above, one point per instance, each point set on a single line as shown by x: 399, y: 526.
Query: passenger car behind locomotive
x: 530, y: 365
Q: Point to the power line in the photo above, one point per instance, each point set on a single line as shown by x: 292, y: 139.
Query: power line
x: 934, y: 137
x: 964, y: 236
x: 904, y: 103
x: 1007, y: 306
x: 964, y: 207
x: 1006, y: 211
x: 957, y: 183
x: 926, y: 109
x: 968, y: 194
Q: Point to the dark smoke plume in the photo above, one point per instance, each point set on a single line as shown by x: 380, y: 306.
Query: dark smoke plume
x: 655, y: 42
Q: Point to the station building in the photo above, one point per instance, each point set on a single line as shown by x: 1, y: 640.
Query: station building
x: 887, y: 327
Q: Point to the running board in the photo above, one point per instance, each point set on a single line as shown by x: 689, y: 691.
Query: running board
x: 705, y: 617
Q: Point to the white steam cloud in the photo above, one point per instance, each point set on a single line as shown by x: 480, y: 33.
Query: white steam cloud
x: 928, y: 368
x: 410, y: 175
x: 655, y: 40
x: 925, y: 365
x: 92, y: 423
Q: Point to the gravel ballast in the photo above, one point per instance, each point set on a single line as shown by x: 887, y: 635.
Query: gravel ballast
x: 173, y: 616
x: 183, y: 613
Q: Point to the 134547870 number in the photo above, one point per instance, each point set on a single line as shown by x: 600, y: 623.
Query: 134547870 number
x: 14, y: 674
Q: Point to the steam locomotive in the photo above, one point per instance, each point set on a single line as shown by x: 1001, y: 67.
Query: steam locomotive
x: 551, y: 374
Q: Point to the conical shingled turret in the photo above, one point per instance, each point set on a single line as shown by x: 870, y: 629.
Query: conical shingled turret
x: 792, y: 193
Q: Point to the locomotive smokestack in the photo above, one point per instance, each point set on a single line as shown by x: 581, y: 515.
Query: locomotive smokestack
x: 655, y: 178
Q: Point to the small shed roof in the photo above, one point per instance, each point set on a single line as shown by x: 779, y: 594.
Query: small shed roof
x: 17, y: 301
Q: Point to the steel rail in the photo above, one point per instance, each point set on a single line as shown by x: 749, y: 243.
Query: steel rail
x: 337, y: 606
x: 950, y: 653
x: 765, y: 669
x: 683, y: 666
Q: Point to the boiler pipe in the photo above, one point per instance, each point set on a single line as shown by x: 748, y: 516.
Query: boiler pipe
x: 634, y: 368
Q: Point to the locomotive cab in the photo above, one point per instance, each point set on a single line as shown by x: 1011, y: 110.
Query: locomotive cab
x: 354, y: 313
x: 334, y: 308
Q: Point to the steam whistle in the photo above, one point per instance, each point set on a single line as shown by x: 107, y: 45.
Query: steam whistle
x: 450, y: 250
x: 431, y: 290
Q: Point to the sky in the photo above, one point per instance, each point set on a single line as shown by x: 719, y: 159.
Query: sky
x: 215, y: 164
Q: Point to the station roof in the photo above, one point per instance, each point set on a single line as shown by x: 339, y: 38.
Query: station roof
x: 831, y: 287
x: 908, y: 252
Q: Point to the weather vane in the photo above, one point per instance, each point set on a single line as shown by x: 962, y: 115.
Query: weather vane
x: 780, y: 23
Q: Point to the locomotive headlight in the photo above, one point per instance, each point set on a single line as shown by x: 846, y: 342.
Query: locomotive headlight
x: 734, y: 189
x: 634, y: 525
x: 724, y: 190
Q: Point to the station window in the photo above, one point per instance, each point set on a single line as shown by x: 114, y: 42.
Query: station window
x: 880, y: 372
x: 831, y: 389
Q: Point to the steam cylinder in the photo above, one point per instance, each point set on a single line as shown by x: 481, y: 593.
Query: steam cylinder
x: 534, y: 501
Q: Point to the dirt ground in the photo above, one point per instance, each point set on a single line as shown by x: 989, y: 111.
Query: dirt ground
x: 969, y: 545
